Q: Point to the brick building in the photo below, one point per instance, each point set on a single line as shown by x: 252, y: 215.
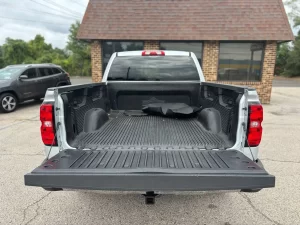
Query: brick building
x: 234, y: 40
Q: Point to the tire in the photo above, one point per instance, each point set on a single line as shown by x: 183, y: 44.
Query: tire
x: 8, y: 102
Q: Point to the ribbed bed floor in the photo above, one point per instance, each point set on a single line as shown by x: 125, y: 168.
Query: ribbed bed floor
x: 151, y: 133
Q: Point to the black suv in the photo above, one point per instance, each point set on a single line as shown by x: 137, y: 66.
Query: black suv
x: 19, y: 83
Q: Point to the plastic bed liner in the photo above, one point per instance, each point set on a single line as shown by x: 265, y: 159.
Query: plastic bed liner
x: 151, y: 132
x: 150, y: 170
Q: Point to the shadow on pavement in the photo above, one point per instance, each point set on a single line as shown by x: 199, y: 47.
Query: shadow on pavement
x: 166, y: 199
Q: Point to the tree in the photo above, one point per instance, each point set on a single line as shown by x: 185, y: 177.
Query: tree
x: 38, y: 47
x: 292, y: 67
x: 288, y: 56
x: 75, y: 58
x: 15, y: 51
x: 282, y: 57
x: 80, y: 57
x: 294, y: 15
x: 1, y: 57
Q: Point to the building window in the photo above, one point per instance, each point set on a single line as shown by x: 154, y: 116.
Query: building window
x: 110, y: 47
x: 195, y: 47
x: 240, y: 61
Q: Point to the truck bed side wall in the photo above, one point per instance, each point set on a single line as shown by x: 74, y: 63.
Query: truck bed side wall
x: 225, y: 100
x: 78, y: 102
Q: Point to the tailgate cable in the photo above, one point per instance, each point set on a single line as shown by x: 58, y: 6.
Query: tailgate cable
x: 58, y: 124
x: 244, y: 125
x: 250, y: 150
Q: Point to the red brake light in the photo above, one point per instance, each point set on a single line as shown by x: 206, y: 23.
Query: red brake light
x: 254, y: 125
x: 48, y: 126
x: 153, y: 53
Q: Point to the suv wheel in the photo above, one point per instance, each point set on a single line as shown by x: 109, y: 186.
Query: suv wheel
x: 8, y: 102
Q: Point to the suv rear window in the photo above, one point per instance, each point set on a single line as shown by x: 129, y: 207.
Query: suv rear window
x: 56, y: 71
x: 153, y: 68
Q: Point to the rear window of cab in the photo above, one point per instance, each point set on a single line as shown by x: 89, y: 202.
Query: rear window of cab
x: 153, y: 68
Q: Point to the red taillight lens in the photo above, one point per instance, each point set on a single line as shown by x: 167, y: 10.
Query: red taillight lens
x: 254, y: 125
x: 153, y: 53
x: 47, y: 127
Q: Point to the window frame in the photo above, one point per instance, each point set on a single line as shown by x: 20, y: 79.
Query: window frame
x: 190, y: 61
x: 185, y: 41
x: 102, y: 49
x: 261, y: 63
x: 36, y: 73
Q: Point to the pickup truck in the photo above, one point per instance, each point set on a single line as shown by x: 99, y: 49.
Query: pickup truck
x: 98, y: 136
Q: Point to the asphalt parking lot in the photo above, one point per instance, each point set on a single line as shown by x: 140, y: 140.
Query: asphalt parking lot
x: 21, y: 150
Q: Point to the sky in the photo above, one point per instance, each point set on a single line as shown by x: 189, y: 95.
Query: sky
x: 23, y: 19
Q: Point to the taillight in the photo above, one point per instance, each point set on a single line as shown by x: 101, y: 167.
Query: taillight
x: 254, y: 125
x: 48, y: 126
x: 153, y: 53
x: 68, y: 74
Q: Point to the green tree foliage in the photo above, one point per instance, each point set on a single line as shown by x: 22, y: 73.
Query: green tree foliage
x: 75, y: 58
x: 80, y: 57
x: 288, y: 55
x: 1, y: 57
x: 294, y: 14
x: 38, y: 48
x: 282, y: 56
x: 292, y: 67
x: 15, y: 51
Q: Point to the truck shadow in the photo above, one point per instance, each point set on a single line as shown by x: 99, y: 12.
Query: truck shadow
x: 171, y: 208
x: 165, y: 199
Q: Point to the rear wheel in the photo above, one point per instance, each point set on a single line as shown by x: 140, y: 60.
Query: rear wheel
x: 8, y: 102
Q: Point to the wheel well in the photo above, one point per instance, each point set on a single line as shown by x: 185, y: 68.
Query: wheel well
x: 11, y: 92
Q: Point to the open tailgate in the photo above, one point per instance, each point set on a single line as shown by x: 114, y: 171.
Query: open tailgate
x: 157, y: 170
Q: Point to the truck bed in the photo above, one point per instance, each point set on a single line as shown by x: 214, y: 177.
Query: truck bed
x: 148, y: 132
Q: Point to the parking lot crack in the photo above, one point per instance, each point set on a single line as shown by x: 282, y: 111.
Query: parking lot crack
x: 17, y: 122
x: 258, y: 210
x: 36, y: 211
x: 283, y: 161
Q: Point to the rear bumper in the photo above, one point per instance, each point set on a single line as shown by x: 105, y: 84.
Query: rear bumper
x: 224, y: 170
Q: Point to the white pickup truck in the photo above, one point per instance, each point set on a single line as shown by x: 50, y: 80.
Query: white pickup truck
x: 153, y: 125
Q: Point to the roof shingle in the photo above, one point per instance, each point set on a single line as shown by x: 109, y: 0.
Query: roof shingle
x: 185, y: 20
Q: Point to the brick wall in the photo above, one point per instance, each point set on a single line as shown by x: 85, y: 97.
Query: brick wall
x: 210, y: 60
x: 96, y: 55
x: 264, y: 87
x: 151, y: 45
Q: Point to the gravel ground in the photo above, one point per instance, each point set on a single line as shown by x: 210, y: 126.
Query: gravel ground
x: 21, y: 150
